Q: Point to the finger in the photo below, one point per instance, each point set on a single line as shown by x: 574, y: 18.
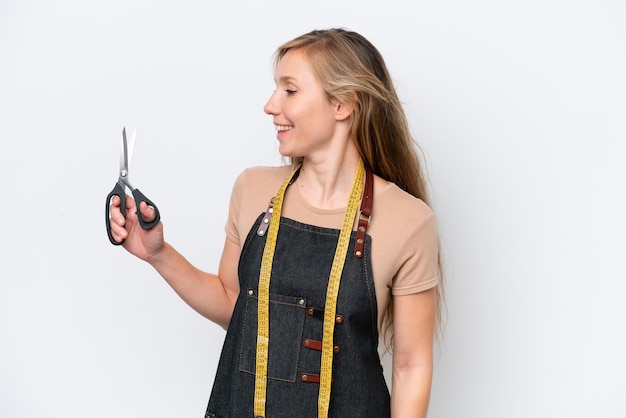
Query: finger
x: 147, y: 212
x: 130, y: 203
x: 115, y: 213
x: 115, y: 201
x: 118, y: 232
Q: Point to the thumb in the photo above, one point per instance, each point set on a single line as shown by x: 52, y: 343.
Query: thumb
x: 147, y: 212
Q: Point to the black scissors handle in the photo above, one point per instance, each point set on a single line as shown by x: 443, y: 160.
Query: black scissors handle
x: 139, y: 197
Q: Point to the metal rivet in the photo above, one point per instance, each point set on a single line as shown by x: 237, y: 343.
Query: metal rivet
x: 360, y: 241
x: 358, y: 253
x: 301, y: 302
x: 362, y: 229
x: 337, y: 349
x: 261, y: 232
x: 265, y: 220
x: 271, y: 210
x: 339, y: 319
x: 251, y: 292
x: 306, y: 343
x: 309, y: 311
x: 304, y: 377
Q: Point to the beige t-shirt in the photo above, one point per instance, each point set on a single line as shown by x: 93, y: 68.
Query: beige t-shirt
x: 404, y: 242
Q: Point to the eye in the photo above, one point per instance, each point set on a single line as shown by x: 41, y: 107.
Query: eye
x: 290, y: 92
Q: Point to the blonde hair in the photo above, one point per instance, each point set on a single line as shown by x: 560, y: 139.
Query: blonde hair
x: 347, y: 64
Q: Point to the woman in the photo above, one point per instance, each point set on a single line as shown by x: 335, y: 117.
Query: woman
x: 307, y: 281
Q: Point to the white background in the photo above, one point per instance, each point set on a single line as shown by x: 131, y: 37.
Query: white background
x: 520, y: 107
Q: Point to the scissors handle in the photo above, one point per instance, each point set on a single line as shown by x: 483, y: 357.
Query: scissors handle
x: 139, y: 197
x: 118, y: 190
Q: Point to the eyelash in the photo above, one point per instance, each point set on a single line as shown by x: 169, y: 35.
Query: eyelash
x: 290, y: 92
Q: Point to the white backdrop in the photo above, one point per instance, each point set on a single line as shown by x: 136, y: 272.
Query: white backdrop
x: 520, y: 108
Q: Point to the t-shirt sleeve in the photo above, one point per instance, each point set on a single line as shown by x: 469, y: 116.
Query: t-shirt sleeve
x: 419, y: 270
x: 234, y: 209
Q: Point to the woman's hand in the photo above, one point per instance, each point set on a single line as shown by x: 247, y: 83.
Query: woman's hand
x: 144, y: 244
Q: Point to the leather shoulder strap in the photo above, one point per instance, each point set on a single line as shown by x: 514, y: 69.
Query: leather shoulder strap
x: 365, y: 213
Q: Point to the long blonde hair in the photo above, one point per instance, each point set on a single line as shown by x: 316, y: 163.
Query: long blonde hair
x: 346, y: 64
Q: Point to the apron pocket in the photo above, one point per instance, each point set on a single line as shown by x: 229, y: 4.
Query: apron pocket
x: 286, y: 324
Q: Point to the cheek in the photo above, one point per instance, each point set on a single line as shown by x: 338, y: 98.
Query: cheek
x: 322, y: 111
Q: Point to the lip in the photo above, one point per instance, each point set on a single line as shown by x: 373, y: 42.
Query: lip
x: 280, y: 133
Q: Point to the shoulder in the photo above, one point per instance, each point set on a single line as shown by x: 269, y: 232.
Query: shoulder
x: 252, y: 191
x: 262, y: 178
x: 398, y: 207
x: 254, y: 186
x: 402, y: 224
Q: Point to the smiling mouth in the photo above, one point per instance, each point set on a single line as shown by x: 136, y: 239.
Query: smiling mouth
x: 283, y: 128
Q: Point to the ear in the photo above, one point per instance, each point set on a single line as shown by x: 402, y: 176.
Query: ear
x: 344, y: 108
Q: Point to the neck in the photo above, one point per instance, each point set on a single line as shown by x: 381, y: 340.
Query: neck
x: 326, y: 183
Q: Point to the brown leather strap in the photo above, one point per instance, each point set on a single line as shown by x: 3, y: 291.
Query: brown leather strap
x: 365, y: 213
x: 311, y: 378
x: 317, y: 345
x: 312, y: 344
x: 265, y: 223
x: 319, y: 314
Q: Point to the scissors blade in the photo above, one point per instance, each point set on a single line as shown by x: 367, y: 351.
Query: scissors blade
x: 124, y: 153
x: 128, y: 147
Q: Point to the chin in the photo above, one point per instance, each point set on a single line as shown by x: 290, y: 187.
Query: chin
x: 286, y: 153
x: 292, y: 157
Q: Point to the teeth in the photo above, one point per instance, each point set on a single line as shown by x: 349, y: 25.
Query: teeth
x: 282, y: 127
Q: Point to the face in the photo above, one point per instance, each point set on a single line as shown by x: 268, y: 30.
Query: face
x: 305, y: 120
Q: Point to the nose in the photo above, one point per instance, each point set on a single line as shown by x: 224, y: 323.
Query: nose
x: 271, y: 107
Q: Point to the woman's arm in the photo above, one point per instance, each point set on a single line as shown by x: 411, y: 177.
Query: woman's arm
x: 213, y: 296
x: 413, y: 337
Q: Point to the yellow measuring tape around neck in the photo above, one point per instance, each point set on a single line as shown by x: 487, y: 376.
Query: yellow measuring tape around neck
x: 330, y: 310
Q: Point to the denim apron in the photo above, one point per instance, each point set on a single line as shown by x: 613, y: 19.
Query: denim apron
x: 301, y: 267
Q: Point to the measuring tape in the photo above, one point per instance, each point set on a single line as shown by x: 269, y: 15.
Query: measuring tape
x: 263, y: 335
x: 330, y: 310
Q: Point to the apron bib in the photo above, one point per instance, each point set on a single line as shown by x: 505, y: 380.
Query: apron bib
x: 299, y: 279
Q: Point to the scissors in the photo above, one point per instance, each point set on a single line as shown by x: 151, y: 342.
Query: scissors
x: 123, y: 183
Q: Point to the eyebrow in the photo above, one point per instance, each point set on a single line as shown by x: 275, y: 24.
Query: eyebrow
x: 286, y: 79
